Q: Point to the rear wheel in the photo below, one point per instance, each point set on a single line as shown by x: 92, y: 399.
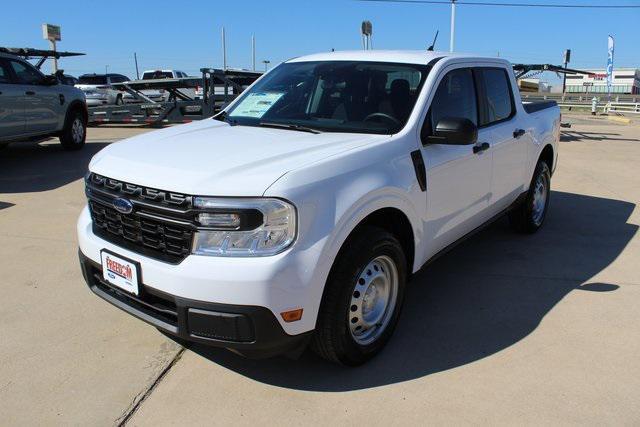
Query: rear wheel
x: 530, y: 215
x: 74, y: 133
x: 363, y: 298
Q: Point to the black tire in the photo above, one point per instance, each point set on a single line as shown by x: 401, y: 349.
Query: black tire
x: 333, y: 339
x: 527, y: 218
x: 70, y: 138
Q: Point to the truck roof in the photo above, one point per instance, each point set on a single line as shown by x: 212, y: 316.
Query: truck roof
x: 398, y: 56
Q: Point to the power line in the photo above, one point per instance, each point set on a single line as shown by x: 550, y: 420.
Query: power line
x: 545, y: 5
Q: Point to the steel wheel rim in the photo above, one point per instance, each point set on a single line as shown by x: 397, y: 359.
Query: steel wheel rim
x: 373, y: 300
x: 539, y: 200
x: 77, y: 131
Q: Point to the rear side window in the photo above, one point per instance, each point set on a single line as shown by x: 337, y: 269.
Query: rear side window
x: 119, y: 79
x: 153, y: 75
x: 455, y: 97
x: 498, y: 99
x: 93, y: 80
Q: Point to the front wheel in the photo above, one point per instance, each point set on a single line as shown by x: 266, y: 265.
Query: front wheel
x: 530, y: 215
x: 363, y: 298
x: 74, y: 133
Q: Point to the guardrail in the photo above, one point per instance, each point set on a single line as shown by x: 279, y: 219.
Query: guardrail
x: 584, y: 98
x: 622, y: 108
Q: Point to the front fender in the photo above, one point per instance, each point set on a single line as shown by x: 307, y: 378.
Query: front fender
x: 382, y: 198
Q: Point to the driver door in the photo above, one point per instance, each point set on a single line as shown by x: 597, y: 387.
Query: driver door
x: 42, y: 103
x: 458, y: 179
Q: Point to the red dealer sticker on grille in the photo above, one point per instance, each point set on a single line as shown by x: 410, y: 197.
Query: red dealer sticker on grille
x: 120, y: 272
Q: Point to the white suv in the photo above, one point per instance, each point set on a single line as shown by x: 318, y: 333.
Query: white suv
x: 98, y: 89
x: 298, y: 214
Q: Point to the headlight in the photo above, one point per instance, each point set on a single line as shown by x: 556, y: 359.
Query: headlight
x: 243, y: 227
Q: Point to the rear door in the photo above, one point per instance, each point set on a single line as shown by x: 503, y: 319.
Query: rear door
x: 499, y: 123
x: 12, y: 122
x: 458, y: 180
x: 42, y: 104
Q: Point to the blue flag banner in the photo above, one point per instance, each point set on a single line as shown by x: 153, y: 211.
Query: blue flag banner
x: 610, y: 65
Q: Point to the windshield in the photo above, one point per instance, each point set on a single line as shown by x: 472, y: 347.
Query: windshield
x: 93, y: 80
x: 333, y: 96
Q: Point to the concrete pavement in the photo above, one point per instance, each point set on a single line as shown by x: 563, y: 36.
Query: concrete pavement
x: 504, y: 329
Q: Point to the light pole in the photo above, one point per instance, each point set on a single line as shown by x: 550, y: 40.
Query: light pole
x: 453, y: 26
x: 266, y: 63
x: 253, y: 52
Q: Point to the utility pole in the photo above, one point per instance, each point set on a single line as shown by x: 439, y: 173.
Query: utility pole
x: 135, y: 58
x: 453, y: 26
x: 253, y: 52
x: 224, y: 51
x: 106, y: 69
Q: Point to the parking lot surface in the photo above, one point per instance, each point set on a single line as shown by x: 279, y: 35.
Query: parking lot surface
x: 504, y: 329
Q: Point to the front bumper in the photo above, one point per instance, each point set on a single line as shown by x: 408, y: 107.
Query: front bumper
x: 249, y: 330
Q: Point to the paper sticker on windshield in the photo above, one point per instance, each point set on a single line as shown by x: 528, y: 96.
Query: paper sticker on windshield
x: 256, y: 104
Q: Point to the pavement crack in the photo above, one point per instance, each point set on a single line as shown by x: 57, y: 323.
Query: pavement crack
x: 144, y: 394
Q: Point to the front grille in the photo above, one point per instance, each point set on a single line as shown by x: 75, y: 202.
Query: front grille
x: 151, y: 229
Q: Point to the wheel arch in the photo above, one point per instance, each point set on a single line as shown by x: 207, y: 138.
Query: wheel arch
x: 548, y: 156
x: 392, y: 213
x: 396, y: 222
x: 76, y: 105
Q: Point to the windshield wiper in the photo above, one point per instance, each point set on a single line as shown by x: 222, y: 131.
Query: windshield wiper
x: 289, y: 126
x: 224, y: 117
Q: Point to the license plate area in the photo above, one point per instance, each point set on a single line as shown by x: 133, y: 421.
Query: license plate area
x: 121, y: 272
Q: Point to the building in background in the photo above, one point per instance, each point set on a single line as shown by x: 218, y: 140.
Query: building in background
x: 625, y: 81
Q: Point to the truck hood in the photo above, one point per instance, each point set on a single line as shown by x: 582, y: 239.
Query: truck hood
x: 213, y: 158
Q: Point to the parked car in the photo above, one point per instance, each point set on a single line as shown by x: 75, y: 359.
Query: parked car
x: 34, y: 106
x: 298, y: 214
x: 98, y: 89
x: 161, y: 94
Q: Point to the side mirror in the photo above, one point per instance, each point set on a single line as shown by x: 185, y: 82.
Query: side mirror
x: 454, y: 131
x: 50, y: 80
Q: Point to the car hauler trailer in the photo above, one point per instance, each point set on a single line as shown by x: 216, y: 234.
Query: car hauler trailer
x: 39, y: 54
x: 219, y: 87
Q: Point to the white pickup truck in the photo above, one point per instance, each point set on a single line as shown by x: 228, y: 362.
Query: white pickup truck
x: 298, y: 214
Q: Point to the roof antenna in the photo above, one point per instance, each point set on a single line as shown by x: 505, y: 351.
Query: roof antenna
x: 430, y: 48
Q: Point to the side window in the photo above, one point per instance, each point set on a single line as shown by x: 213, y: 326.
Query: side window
x: 5, y: 75
x: 498, y: 99
x: 455, y: 97
x: 25, y: 73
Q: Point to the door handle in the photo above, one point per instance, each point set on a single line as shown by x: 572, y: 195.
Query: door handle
x: 480, y: 147
x: 518, y: 133
x: 29, y: 92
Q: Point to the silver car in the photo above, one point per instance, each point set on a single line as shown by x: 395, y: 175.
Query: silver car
x: 34, y: 106
x: 98, y: 89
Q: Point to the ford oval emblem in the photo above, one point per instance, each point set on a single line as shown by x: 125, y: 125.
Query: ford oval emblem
x: 123, y: 205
